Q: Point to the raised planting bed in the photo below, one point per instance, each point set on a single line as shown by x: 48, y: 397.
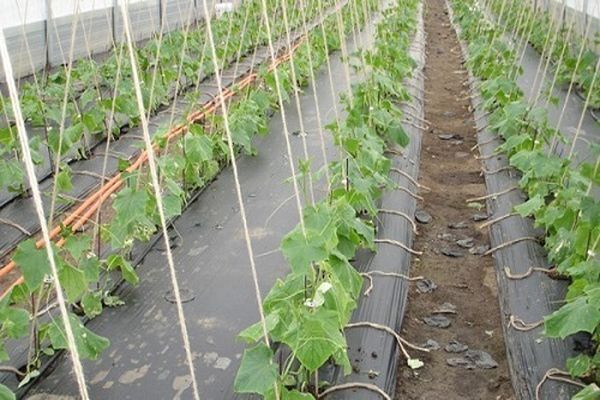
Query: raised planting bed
x: 514, y: 143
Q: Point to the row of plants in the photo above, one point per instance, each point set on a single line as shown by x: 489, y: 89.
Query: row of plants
x: 307, y: 311
x: 186, y: 165
x: 98, y: 90
x: 559, y: 190
x: 568, y: 45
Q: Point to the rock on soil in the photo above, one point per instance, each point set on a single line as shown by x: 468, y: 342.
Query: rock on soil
x: 473, y: 359
x: 456, y: 347
x: 423, y: 217
x: 437, y: 321
x: 426, y: 286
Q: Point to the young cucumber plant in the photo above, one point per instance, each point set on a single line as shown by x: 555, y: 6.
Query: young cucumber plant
x: 566, y: 47
x: 90, y: 100
x: 560, y: 191
x: 306, y: 312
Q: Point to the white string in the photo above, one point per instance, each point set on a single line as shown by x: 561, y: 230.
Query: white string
x: 296, y: 90
x: 39, y: 209
x: 63, y: 116
x: 575, y: 71
x: 159, y: 201
x: 571, y: 86
x: 547, y: 51
x: 238, y: 187
x: 585, y: 108
x: 182, y: 54
x: 313, y: 80
x: 285, y: 131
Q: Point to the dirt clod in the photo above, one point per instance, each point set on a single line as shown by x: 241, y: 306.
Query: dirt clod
x: 479, y: 250
x: 454, y: 253
x: 473, y: 359
x: 426, y: 286
x: 447, y: 136
x: 480, y: 217
x: 446, y: 308
x: 456, y: 347
x: 458, y: 225
x: 431, y: 345
x: 423, y: 217
x: 466, y: 243
x: 437, y: 321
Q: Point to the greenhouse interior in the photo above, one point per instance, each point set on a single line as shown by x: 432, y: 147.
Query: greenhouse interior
x: 300, y: 199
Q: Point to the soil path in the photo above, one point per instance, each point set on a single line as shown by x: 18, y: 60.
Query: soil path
x: 464, y: 280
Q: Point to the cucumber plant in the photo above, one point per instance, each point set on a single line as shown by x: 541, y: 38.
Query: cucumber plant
x: 95, y: 86
x: 540, y: 23
x: 560, y: 190
x: 307, y: 311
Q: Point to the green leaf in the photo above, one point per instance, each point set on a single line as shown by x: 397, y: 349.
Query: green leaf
x: 70, y: 136
x: 579, y: 366
x: 172, y: 205
x: 113, y: 301
x: 577, y: 316
x: 11, y: 175
x: 3, y: 353
x: 63, y: 180
x: 198, y: 148
x: 531, y: 206
x: 92, y: 304
x: 254, y: 333
x: 89, y: 345
x: 78, y: 245
x: 590, y: 392
x: 319, y: 338
x: 33, y: 263
x: 91, y: 268
x: 6, y: 393
x: 72, y: 281
x: 295, y: 395
x: 320, y: 240
x: 397, y: 133
x: 116, y: 261
x: 346, y: 274
x: 258, y: 372
x: 15, y: 321
x: 301, y: 252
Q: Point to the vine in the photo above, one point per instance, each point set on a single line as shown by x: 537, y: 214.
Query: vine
x: 566, y: 46
x: 306, y: 312
x: 101, y: 90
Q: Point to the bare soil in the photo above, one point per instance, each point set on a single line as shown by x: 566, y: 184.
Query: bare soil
x: 450, y: 169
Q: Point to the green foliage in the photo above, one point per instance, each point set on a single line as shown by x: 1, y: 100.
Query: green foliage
x: 33, y: 263
x: 308, y: 310
x: 560, y: 198
x: 258, y: 372
x: 564, y: 47
x: 89, y: 345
